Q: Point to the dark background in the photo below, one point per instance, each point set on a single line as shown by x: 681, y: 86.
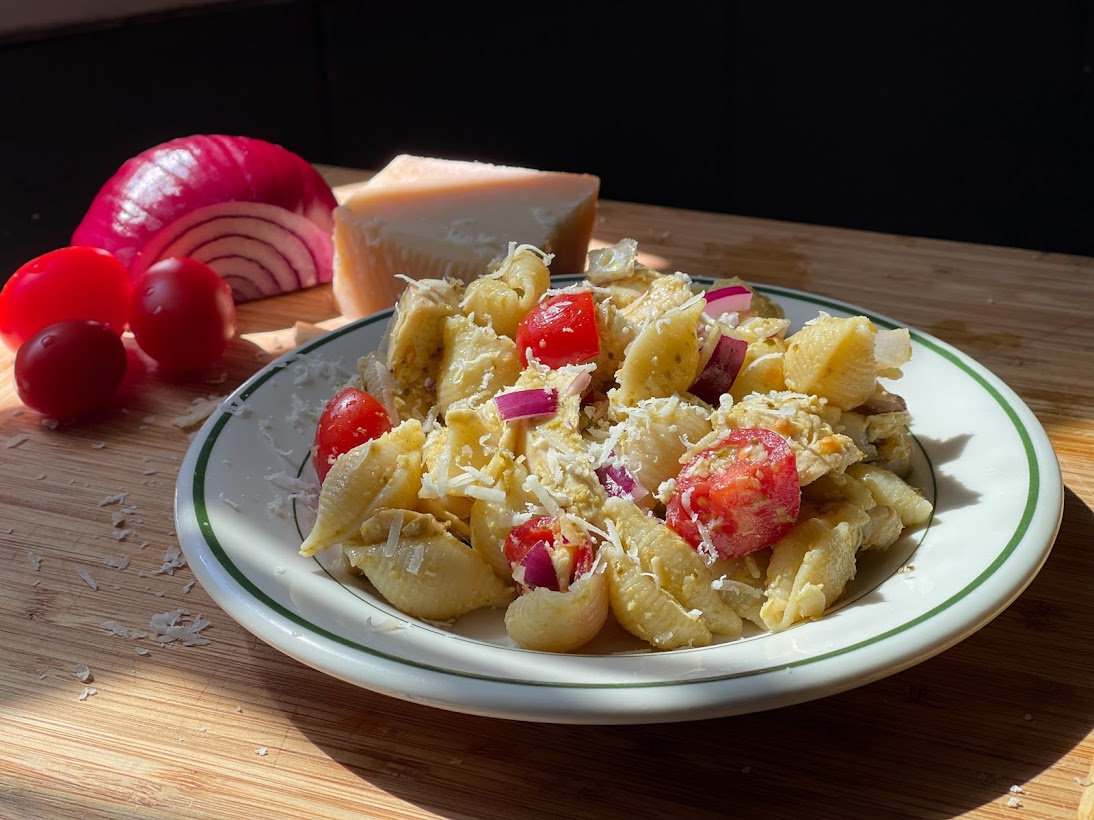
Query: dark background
x: 967, y: 121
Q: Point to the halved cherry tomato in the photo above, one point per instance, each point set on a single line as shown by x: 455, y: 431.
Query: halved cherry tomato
x: 350, y: 418
x: 742, y: 493
x: 560, y: 330
x: 68, y: 283
x: 539, y: 556
x: 70, y: 368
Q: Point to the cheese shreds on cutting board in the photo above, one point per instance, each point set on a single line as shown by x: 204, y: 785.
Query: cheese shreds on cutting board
x: 428, y: 218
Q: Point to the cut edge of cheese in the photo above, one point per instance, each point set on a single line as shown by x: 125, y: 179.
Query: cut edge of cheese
x: 428, y: 218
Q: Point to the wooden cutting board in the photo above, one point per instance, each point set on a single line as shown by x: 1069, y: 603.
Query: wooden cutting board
x: 236, y: 729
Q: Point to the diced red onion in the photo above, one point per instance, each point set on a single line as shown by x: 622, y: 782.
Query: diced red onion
x: 536, y: 569
x: 620, y: 482
x: 720, y: 370
x: 255, y: 212
x: 579, y: 383
x: 520, y: 404
x: 732, y: 299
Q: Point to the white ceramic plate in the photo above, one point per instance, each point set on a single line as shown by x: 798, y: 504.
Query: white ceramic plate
x: 982, y: 458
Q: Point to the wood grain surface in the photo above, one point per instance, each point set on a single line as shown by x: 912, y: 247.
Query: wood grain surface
x: 999, y: 726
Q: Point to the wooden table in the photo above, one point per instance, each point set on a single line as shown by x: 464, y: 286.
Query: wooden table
x: 236, y: 729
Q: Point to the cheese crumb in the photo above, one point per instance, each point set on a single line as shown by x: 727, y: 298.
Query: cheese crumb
x: 262, y: 751
x: 179, y: 625
x: 84, y: 673
x: 88, y: 692
x: 83, y: 573
x: 1014, y: 803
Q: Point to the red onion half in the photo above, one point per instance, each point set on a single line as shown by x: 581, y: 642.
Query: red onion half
x: 255, y: 212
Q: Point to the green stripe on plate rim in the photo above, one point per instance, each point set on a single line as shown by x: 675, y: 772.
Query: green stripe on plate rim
x: 217, y: 550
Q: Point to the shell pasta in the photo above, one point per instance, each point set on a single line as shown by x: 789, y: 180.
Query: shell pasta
x: 632, y: 448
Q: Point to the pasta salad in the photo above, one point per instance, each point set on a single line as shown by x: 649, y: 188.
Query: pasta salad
x: 632, y: 447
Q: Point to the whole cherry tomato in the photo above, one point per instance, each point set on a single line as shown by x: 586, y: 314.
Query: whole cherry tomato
x: 70, y: 368
x: 350, y: 418
x: 68, y: 283
x: 560, y: 330
x: 182, y: 314
x: 741, y: 492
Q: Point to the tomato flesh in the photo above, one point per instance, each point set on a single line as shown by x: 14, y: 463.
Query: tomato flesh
x: 67, y: 283
x: 70, y: 368
x: 182, y: 314
x: 350, y: 418
x: 742, y: 493
x: 560, y: 330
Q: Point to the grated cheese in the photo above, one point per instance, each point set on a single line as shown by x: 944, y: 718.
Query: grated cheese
x: 393, y: 533
x: 180, y: 626
x: 83, y: 573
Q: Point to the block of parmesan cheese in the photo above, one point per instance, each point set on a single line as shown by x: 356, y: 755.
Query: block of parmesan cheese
x: 429, y: 218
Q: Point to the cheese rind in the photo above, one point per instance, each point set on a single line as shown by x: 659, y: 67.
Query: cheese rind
x: 429, y: 218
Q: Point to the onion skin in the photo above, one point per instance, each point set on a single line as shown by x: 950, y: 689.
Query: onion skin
x: 176, y: 179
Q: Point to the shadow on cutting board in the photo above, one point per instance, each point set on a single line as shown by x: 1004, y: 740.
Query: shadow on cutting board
x: 959, y: 730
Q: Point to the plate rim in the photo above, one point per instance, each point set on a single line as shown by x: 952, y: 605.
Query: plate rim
x: 271, y: 621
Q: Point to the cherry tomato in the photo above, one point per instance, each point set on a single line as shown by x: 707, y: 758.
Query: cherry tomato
x: 182, y: 314
x: 560, y: 330
x: 350, y: 418
x: 562, y: 562
x: 742, y: 492
x: 68, y: 283
x: 524, y: 536
x: 70, y: 368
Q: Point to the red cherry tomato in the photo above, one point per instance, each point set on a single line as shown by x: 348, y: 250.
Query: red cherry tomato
x: 68, y: 283
x: 70, y: 368
x: 350, y: 418
x: 742, y: 492
x: 182, y: 314
x: 560, y: 330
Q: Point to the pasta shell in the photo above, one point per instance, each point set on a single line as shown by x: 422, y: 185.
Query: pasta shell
x: 552, y: 621
x: 476, y: 363
x: 664, y: 359
x: 501, y: 299
x: 422, y: 569
x: 678, y: 568
x: 833, y: 358
x: 492, y: 520
x: 812, y: 564
x: 646, y: 610
x: 384, y: 472
x: 891, y: 490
